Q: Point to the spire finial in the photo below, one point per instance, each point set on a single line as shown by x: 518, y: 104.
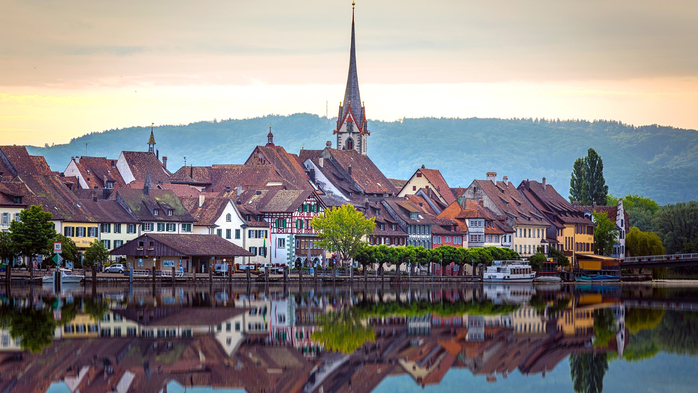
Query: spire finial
x: 352, y: 12
x: 270, y: 138
x: 151, y: 141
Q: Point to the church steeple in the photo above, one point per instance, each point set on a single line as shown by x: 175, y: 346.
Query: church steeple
x: 151, y: 141
x: 351, y: 122
x: 270, y: 139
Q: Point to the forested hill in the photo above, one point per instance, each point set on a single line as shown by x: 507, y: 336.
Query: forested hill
x: 657, y: 162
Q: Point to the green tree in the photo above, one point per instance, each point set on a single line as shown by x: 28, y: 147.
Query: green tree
x: 677, y: 226
x: 478, y: 255
x: 7, y: 253
x: 341, y: 230
x: 640, y: 211
x: 450, y: 254
x: 605, y: 234
x: 639, y: 243
x: 35, y: 327
x: 577, y: 185
x: 32, y: 234
x: 502, y: 253
x: 95, y: 254
x: 70, y: 249
x: 612, y: 200
x: 536, y: 261
x: 594, y: 181
x: 587, y: 183
x: 587, y: 371
x: 365, y: 256
x: 422, y: 256
x: 405, y: 255
x: 558, y: 255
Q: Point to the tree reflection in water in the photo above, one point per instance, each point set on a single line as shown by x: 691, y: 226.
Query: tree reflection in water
x: 35, y: 325
x: 343, y: 331
x: 587, y: 371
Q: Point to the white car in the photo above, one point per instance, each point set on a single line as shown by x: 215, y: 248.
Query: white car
x: 115, y: 268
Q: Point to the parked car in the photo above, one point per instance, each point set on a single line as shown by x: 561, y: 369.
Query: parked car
x: 115, y: 268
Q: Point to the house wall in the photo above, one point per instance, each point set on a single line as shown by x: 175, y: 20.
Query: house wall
x: 524, y: 243
x: 73, y: 170
x: 81, y: 241
x: 112, y: 236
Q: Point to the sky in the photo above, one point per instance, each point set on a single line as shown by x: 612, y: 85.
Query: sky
x: 72, y: 67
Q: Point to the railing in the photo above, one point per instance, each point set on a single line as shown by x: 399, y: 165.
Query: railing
x: 661, y: 258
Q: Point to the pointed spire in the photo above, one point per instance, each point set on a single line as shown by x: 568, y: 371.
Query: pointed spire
x: 148, y: 183
x: 151, y: 141
x: 351, y: 94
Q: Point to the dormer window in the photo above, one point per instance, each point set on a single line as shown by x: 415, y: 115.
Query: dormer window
x: 413, y: 215
x: 156, y: 212
x: 18, y: 199
x: 170, y: 212
x: 110, y: 184
x: 247, y: 217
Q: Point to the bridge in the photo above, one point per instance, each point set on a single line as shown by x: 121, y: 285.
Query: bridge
x: 650, y: 261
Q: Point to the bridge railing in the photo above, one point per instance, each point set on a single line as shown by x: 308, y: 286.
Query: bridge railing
x: 661, y: 258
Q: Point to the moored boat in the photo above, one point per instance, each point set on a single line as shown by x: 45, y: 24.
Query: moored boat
x: 509, y: 271
x: 67, y: 276
x: 597, y: 278
x: 548, y: 278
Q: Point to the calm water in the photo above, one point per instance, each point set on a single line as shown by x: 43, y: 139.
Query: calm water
x: 488, y: 338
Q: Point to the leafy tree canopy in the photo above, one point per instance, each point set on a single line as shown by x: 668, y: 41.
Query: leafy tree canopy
x: 638, y: 243
x: 677, y: 227
x: 33, y: 233
x: 95, y: 254
x: 605, y: 234
x: 341, y: 230
x: 587, y: 183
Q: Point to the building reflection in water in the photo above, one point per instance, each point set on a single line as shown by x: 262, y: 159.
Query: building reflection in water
x: 271, y: 339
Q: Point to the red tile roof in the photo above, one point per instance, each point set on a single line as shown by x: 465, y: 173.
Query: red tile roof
x: 207, y: 214
x: 188, y: 245
x: 97, y: 171
x: 287, y: 165
x: 438, y: 183
x: 141, y: 163
x: 511, y: 203
x: 15, y: 160
x: 547, y: 201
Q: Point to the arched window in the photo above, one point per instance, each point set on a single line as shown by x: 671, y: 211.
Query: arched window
x: 350, y: 144
x: 228, y: 217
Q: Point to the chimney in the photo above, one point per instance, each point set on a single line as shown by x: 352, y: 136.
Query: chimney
x: 492, y: 176
x: 191, y: 171
x: 227, y: 188
x: 544, y: 184
x: 328, y: 144
x: 505, y: 179
x: 202, y: 198
x: 164, y: 162
x: 349, y: 170
x: 320, y: 162
x: 157, y: 154
x: 94, y: 198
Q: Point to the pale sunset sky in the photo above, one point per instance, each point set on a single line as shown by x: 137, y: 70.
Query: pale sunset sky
x: 72, y: 67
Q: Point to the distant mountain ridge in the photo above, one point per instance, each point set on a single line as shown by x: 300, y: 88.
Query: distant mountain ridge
x: 653, y: 161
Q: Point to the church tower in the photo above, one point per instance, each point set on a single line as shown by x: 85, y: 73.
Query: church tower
x: 352, y: 128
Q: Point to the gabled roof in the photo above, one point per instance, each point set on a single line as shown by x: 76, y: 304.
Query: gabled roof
x: 207, y: 214
x: 398, y: 183
x: 285, y: 201
x: 109, y: 211
x: 351, y: 172
x: 611, y: 212
x: 188, y: 245
x: 15, y: 160
x: 97, y: 171
x: 437, y: 181
x: 141, y: 205
x: 287, y: 165
x: 56, y: 198
x: 141, y: 163
x: 10, y: 191
x: 547, y: 201
x: 510, y: 202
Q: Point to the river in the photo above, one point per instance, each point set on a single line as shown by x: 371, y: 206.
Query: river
x: 439, y: 338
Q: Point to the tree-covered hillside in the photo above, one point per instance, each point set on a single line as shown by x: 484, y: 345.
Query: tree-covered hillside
x: 657, y: 162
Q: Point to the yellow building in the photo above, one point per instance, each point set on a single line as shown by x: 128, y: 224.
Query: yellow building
x: 82, y: 233
x: 83, y: 326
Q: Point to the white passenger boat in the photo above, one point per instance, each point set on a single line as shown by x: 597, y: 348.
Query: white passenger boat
x: 509, y: 271
x: 67, y: 276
